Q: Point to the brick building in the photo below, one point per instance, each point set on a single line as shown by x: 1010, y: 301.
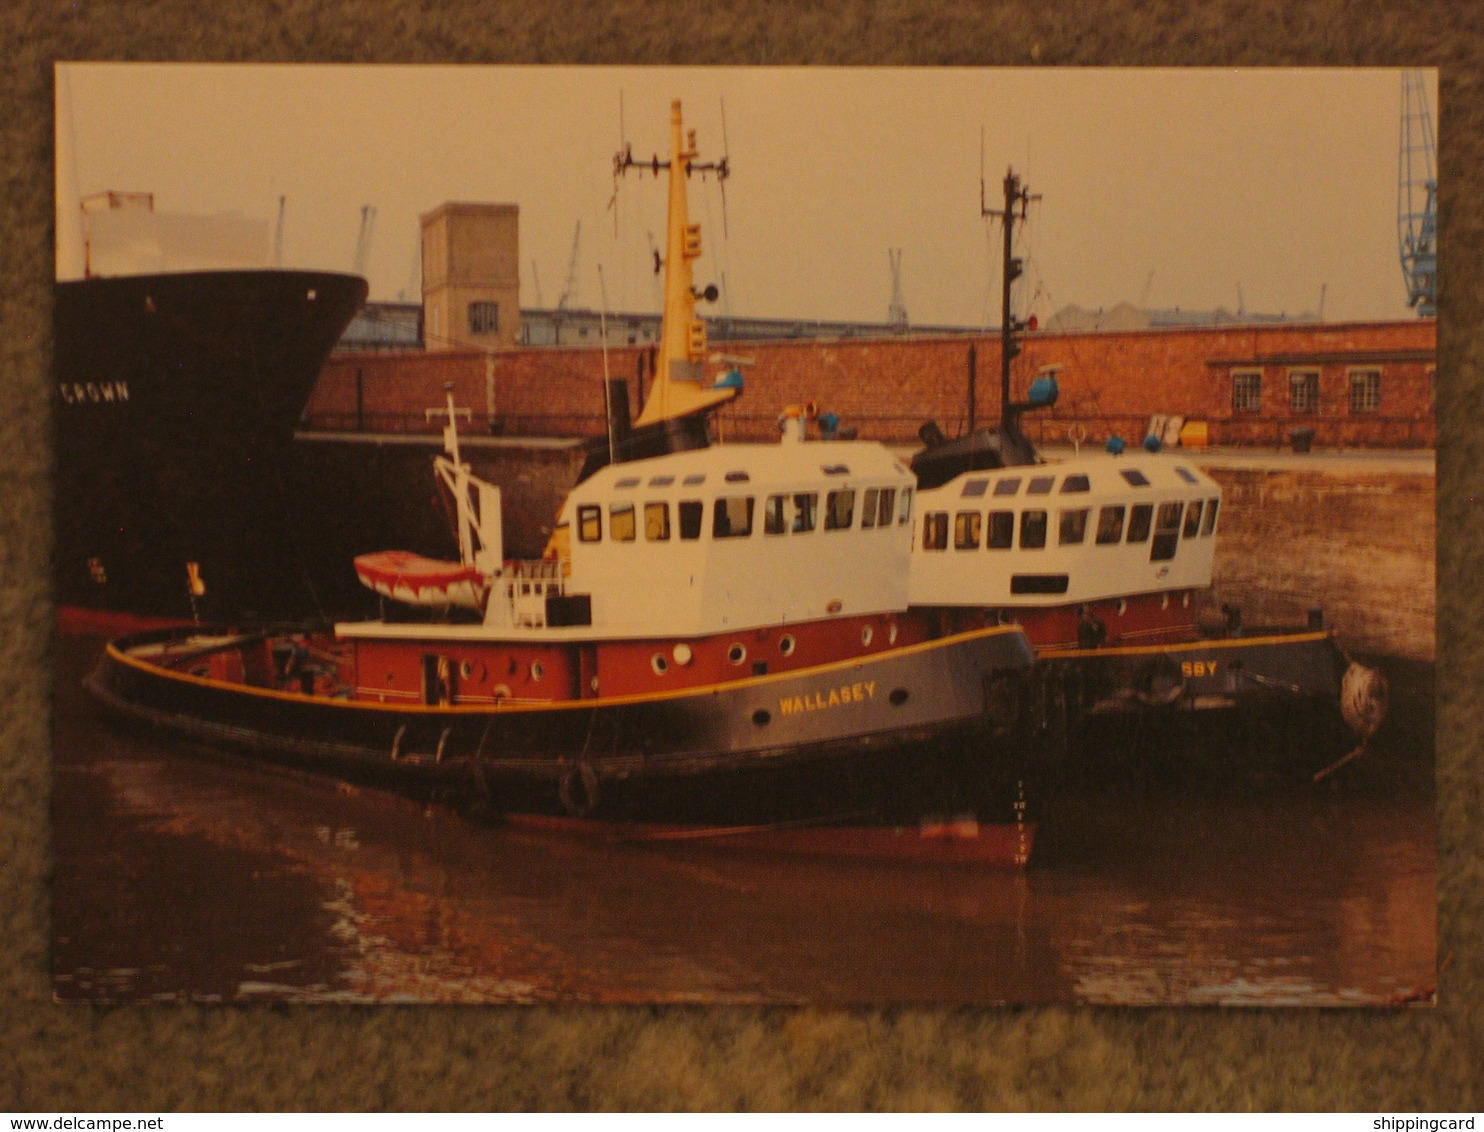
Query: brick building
x: 1353, y: 384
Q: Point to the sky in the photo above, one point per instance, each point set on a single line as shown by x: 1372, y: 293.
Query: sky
x: 1273, y: 190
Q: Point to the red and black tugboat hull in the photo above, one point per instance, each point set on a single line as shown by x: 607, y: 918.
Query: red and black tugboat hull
x: 1280, y: 702
x: 917, y: 731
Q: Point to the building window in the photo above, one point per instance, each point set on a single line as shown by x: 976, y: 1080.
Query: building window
x: 1247, y: 391
x: 484, y: 318
x: 1303, y: 391
x: 1365, y: 390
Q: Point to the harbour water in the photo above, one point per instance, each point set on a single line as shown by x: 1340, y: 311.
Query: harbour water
x: 185, y: 876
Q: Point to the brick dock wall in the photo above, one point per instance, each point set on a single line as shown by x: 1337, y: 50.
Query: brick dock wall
x: 1358, y: 544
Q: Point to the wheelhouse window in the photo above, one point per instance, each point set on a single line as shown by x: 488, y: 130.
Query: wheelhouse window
x: 589, y: 522
x: 1210, y: 524
x: 657, y: 522
x: 839, y: 510
x: 1365, y: 390
x: 935, y: 530
x: 1246, y: 391
x: 1134, y: 478
x: 1040, y: 485
x: 1001, y: 530
x: 1073, y: 527
x: 484, y: 317
x: 773, y: 522
x: 1166, y: 532
x: 904, y: 507
x: 732, y: 517
x: 806, y: 512
x: 1303, y: 390
x: 1139, y: 520
x: 1007, y: 486
x: 1032, y: 530
x: 1075, y: 483
x: 621, y: 522
x: 690, y: 513
x: 878, y: 506
x: 1192, y: 520
x: 966, y: 528
x: 974, y: 488
x: 1110, y: 525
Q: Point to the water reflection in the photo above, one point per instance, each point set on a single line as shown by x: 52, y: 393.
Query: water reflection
x: 180, y: 876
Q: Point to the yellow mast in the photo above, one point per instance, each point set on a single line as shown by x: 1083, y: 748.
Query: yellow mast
x: 679, y: 388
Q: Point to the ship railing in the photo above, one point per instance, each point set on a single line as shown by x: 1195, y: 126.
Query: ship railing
x: 525, y: 585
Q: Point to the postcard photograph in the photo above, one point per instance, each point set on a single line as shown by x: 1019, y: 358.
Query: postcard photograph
x: 744, y: 535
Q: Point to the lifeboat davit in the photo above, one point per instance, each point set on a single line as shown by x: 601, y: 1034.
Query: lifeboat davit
x: 416, y: 580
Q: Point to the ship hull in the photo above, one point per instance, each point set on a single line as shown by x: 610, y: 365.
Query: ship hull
x: 922, y: 730
x: 175, y: 401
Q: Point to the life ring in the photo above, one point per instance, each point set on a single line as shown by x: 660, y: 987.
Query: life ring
x: 578, y: 790
x: 1158, y: 682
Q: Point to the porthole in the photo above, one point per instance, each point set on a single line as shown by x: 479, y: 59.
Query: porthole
x: 867, y: 635
x: 891, y: 634
x: 761, y: 718
x: 898, y: 697
x: 1185, y: 599
x: 538, y: 670
x: 466, y: 669
x: 736, y: 654
x: 681, y: 653
x: 659, y: 664
x: 1164, y: 601
x: 1122, y: 607
x: 786, y: 645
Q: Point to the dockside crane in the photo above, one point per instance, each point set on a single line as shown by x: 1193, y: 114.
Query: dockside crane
x: 363, y: 237
x: 569, y: 292
x: 896, y: 312
x: 1417, y: 198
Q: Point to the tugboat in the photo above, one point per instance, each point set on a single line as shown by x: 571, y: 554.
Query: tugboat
x: 718, y: 637
x: 1102, y: 560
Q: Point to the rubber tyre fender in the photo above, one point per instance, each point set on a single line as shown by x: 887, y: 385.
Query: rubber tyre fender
x: 578, y: 790
x: 1158, y: 681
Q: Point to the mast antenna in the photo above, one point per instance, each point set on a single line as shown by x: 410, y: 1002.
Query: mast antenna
x: 1016, y: 197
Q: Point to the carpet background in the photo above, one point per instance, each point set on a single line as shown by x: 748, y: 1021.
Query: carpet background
x: 137, y: 1058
